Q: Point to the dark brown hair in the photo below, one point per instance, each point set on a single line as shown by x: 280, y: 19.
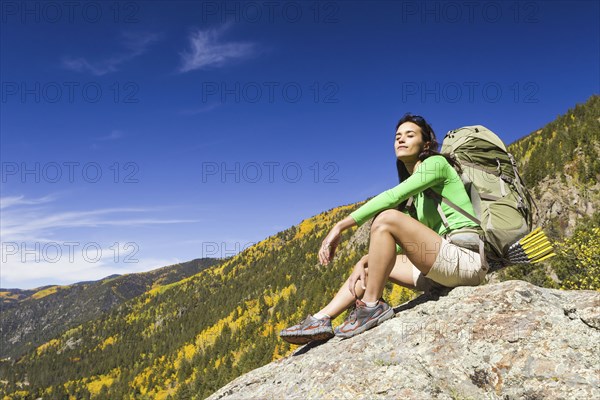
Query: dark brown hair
x: 430, y: 150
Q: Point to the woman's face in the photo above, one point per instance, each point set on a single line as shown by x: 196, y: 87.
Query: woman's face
x: 408, y: 142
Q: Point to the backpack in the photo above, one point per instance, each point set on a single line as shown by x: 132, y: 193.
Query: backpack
x: 501, y: 201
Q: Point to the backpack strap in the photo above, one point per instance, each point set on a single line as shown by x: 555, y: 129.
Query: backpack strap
x: 438, y: 197
x: 522, y: 189
x: 443, y: 216
x: 475, y: 201
x: 482, y: 255
x: 481, y: 250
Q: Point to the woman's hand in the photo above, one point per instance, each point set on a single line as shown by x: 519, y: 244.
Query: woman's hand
x: 330, y: 243
x: 359, y: 274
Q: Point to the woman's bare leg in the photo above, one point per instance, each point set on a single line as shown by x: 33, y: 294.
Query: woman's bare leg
x: 401, y: 274
x: 420, y: 244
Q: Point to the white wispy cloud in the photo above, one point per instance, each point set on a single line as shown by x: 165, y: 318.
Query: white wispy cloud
x: 200, y: 110
x: 113, y: 135
x: 35, y: 223
x: 208, y: 49
x: 11, y: 201
x: 37, y: 247
x: 135, y: 44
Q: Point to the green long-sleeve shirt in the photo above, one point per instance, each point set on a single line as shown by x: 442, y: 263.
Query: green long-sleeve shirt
x: 434, y: 172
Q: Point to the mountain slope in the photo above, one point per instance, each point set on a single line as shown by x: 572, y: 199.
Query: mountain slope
x: 32, y: 317
x: 561, y: 163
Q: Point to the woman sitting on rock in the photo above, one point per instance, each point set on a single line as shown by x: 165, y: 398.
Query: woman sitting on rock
x: 408, y: 242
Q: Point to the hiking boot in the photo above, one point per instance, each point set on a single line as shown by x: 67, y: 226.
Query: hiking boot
x: 363, y: 318
x: 309, y: 329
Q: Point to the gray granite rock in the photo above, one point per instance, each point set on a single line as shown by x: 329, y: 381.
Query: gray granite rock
x: 510, y: 340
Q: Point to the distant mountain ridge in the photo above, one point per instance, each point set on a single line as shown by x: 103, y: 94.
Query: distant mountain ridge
x: 10, y: 297
x: 32, y: 317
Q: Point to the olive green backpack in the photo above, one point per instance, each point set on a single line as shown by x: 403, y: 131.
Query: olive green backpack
x: 502, y: 203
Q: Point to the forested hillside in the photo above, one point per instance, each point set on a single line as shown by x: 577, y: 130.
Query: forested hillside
x: 569, y: 145
x: 561, y: 163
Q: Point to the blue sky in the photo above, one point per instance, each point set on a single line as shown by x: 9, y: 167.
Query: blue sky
x: 140, y: 134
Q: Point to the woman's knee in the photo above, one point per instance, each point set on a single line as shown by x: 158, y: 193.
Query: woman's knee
x: 385, y: 219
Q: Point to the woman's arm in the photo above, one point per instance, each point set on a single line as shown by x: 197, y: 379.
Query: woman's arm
x: 346, y: 223
x: 430, y: 172
x: 332, y: 240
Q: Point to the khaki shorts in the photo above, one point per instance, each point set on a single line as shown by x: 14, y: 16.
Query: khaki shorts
x: 454, y: 266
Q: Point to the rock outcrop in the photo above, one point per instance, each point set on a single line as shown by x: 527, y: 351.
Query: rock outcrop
x: 510, y: 340
x: 567, y: 201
